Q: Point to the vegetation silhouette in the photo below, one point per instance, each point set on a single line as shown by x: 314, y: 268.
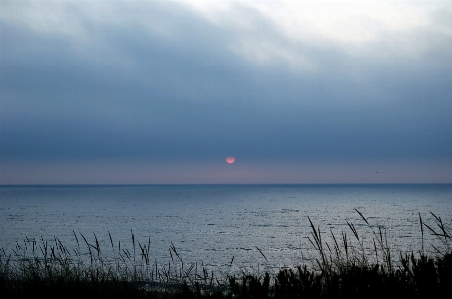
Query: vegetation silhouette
x: 346, y: 267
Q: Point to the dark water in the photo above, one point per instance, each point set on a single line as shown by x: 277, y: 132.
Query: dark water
x: 210, y: 224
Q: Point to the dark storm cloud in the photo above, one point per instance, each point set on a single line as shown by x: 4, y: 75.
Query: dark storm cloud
x: 176, y: 91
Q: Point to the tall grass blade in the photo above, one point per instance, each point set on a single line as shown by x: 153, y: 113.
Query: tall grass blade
x: 262, y: 253
x: 362, y: 216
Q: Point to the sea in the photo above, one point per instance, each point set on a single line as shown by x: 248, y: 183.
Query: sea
x: 227, y: 228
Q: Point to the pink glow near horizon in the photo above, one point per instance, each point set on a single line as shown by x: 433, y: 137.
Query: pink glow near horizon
x: 219, y: 173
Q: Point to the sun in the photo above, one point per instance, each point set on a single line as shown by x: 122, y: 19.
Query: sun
x: 230, y: 159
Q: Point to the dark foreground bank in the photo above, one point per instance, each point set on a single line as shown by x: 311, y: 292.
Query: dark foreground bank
x: 347, y: 266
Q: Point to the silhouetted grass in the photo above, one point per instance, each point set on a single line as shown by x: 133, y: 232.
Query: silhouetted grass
x: 347, y: 266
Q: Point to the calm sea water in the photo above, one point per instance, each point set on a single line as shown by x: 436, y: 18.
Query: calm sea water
x: 212, y: 224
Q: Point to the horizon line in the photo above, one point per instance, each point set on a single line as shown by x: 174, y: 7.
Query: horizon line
x: 214, y: 184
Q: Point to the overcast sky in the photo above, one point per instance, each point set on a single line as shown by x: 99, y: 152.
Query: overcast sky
x: 162, y: 91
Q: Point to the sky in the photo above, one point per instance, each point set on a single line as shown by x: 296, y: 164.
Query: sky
x: 161, y: 92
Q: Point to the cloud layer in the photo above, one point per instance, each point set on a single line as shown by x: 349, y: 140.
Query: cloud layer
x: 278, y: 84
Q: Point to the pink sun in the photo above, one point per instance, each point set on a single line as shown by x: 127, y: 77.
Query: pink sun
x: 230, y: 160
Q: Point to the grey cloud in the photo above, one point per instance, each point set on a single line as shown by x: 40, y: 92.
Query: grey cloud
x: 140, y: 94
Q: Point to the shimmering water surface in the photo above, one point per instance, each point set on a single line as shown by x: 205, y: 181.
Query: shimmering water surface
x: 211, y: 224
